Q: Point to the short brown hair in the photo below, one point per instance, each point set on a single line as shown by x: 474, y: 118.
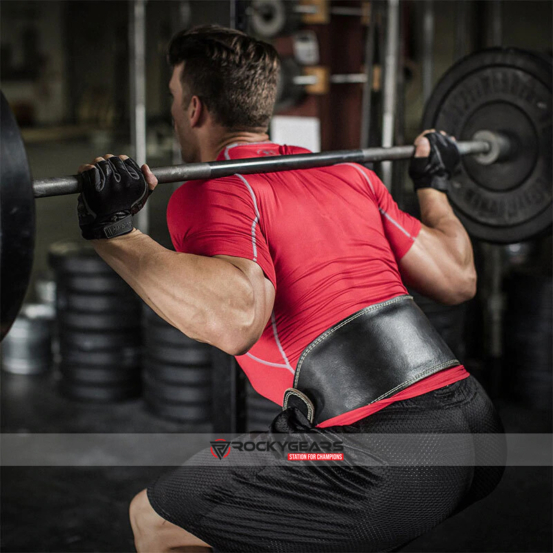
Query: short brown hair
x: 234, y: 74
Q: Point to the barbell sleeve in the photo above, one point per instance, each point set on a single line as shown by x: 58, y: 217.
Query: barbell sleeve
x: 59, y: 186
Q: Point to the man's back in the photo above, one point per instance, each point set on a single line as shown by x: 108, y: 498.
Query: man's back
x: 327, y: 238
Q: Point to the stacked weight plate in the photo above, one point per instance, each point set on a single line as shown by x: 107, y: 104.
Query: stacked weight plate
x: 529, y: 336
x: 177, y: 375
x: 99, y: 326
x: 27, y: 347
x: 261, y: 411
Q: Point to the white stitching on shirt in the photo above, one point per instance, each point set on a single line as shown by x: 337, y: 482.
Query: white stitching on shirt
x: 275, y: 332
x: 256, y: 220
x: 266, y: 362
x: 389, y: 217
x: 227, y: 156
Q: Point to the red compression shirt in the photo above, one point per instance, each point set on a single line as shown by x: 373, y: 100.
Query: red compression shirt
x: 328, y: 239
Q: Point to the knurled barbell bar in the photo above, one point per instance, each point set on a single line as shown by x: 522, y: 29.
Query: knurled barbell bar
x: 496, y: 102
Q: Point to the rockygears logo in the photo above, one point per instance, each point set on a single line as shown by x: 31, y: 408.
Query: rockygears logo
x: 296, y: 450
x: 220, y: 448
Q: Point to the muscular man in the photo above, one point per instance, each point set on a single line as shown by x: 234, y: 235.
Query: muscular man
x: 298, y: 270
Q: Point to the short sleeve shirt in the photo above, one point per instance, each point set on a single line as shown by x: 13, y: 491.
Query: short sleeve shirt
x: 329, y: 240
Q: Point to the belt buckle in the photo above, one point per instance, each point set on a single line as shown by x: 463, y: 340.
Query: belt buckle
x: 294, y: 398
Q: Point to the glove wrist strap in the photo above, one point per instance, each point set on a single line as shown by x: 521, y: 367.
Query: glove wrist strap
x: 109, y: 229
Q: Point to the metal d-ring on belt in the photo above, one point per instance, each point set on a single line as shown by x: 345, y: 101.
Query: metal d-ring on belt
x: 369, y: 356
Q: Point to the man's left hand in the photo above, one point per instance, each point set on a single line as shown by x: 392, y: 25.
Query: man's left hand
x: 114, y: 189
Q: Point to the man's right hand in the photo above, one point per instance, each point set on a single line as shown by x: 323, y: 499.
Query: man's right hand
x: 436, y: 157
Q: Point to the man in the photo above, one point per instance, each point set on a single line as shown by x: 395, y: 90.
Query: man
x: 299, y: 274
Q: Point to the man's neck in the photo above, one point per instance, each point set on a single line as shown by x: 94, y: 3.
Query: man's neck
x: 215, y: 147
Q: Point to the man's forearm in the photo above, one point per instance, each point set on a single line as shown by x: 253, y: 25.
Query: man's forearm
x: 208, y: 299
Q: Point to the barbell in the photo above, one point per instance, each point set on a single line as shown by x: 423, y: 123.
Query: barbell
x: 496, y: 102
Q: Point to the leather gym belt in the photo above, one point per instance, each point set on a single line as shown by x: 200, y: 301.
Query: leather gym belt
x: 371, y: 355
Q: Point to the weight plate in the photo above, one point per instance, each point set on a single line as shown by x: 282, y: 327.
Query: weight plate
x: 178, y: 375
x: 168, y: 335
x: 175, y: 393
x: 17, y: 219
x: 79, y: 257
x: 98, y: 321
x: 505, y: 90
x: 197, y: 355
x: 99, y: 375
x: 182, y: 413
x: 91, y: 392
x: 96, y: 284
x: 123, y: 357
x: 270, y: 18
x: 94, y: 341
x: 96, y: 303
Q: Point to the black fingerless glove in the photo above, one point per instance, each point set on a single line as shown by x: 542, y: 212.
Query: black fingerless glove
x: 435, y: 170
x: 111, y: 194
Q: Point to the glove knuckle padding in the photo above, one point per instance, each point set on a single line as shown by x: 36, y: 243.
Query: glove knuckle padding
x: 435, y: 170
x: 112, y: 192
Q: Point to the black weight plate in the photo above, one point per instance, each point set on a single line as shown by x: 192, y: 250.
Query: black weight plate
x: 81, y: 374
x: 178, y: 375
x: 98, y: 321
x: 96, y: 284
x: 170, y: 336
x: 505, y: 90
x: 175, y: 393
x: 17, y: 219
x: 90, y: 392
x: 66, y: 300
x: 160, y: 330
x: 122, y: 357
x: 178, y: 412
x: 98, y: 341
x: 78, y: 257
x: 197, y: 355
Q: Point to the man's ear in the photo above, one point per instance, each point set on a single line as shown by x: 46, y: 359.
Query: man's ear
x: 195, y: 111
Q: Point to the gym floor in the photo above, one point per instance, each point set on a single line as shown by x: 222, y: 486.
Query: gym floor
x: 74, y: 509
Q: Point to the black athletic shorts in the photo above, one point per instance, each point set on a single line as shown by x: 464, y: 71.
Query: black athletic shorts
x: 324, y: 508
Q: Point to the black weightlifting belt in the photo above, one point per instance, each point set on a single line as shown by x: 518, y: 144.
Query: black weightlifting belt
x: 373, y: 354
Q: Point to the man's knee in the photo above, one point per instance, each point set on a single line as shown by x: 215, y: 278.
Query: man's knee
x: 142, y: 515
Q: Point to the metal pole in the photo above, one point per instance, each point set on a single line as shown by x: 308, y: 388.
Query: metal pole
x: 497, y: 20
x: 137, y: 43
x: 427, y: 50
x: 368, y: 85
x: 461, y: 34
x: 390, y: 83
x: 59, y: 186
